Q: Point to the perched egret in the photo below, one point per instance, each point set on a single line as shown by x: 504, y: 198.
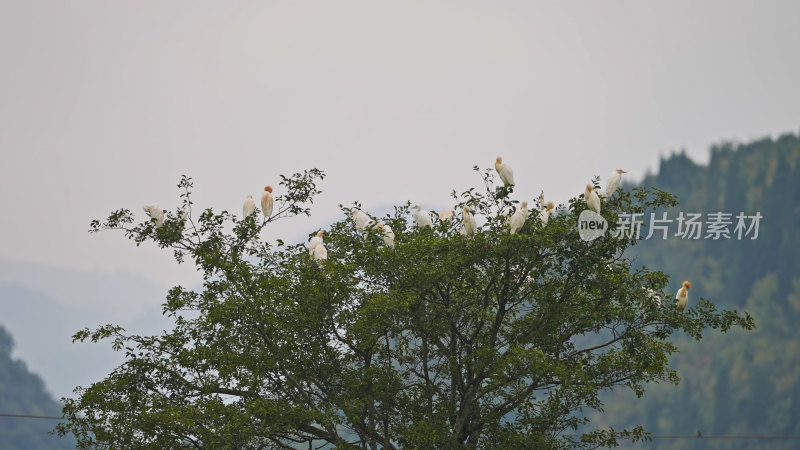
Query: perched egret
x: 612, y: 183
x: 682, y: 297
x: 447, y: 215
x: 468, y: 225
x: 505, y: 172
x: 544, y: 215
x: 155, y: 212
x: 422, y: 218
x: 267, y: 202
x: 518, y: 218
x: 653, y: 296
x: 314, y: 242
x: 361, y: 220
x: 249, y: 207
x: 320, y: 253
x: 592, y: 200
x: 387, y: 234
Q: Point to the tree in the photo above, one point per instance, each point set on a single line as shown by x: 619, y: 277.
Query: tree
x: 494, y: 341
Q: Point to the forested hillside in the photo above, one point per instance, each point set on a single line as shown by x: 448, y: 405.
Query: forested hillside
x: 22, y: 392
x: 739, y: 383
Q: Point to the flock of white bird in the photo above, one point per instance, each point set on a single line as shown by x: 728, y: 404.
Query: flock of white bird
x: 422, y: 219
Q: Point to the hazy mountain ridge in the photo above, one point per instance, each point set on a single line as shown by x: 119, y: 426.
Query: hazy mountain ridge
x: 22, y: 392
x: 737, y: 383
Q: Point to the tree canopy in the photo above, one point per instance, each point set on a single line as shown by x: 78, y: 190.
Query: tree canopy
x: 497, y: 340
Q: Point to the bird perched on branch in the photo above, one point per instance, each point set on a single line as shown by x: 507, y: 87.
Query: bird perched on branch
x: 314, y: 242
x: 421, y: 218
x: 468, y: 225
x: 592, y: 200
x: 249, y: 206
x: 447, y: 215
x: 518, y: 218
x: 361, y: 220
x: 544, y: 215
x: 156, y: 213
x: 386, y: 233
x: 682, y: 297
x: 505, y: 172
x: 612, y: 183
x: 267, y: 202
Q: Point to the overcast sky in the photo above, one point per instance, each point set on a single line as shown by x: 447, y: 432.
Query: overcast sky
x: 104, y: 104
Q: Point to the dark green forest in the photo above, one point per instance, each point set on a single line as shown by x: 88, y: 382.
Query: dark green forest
x: 22, y: 392
x: 739, y: 383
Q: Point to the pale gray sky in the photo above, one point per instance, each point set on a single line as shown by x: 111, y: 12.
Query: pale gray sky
x: 104, y: 104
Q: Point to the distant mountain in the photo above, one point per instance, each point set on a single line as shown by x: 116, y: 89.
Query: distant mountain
x: 739, y: 383
x: 43, y: 324
x: 22, y: 392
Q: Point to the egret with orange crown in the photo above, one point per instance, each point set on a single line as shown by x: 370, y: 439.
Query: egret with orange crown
x: 682, y: 297
x: 592, y: 200
x: 505, y: 172
x: 468, y: 225
x: 267, y: 202
x: 447, y: 215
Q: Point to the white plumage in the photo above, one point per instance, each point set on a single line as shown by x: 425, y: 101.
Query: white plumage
x: 468, y: 225
x: 592, y: 200
x: 682, y: 297
x: 421, y: 218
x: 518, y: 218
x: 653, y: 296
x: 249, y: 207
x: 387, y: 234
x: 156, y: 213
x: 544, y: 215
x: 315, y: 241
x: 505, y: 172
x: 612, y: 182
x: 447, y: 215
x: 361, y: 220
x: 267, y: 202
x: 320, y: 253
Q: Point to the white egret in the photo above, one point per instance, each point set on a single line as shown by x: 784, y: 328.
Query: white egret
x: 267, y: 202
x: 447, y: 215
x: 653, y: 296
x: 518, y: 218
x: 361, y: 220
x: 422, y: 218
x: 155, y: 212
x: 682, y: 297
x: 468, y: 225
x: 249, y: 206
x: 544, y: 215
x: 505, y: 172
x: 612, y: 182
x: 592, y: 200
x: 387, y: 234
x: 320, y: 253
x: 314, y: 242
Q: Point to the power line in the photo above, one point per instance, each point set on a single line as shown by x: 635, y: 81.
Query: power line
x: 29, y: 416
x: 724, y: 436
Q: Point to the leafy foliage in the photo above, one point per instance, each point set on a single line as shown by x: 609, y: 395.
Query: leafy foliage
x: 445, y: 341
